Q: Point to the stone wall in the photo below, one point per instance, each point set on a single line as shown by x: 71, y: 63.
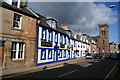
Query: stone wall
x: 27, y: 33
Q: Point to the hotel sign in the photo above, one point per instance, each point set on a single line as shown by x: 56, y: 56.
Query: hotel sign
x: 11, y: 39
x: 46, y: 44
x: 62, y: 46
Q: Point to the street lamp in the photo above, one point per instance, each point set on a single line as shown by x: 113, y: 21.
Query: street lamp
x: 112, y: 6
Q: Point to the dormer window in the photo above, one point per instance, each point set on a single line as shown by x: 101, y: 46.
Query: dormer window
x: 51, y: 22
x: 14, y: 2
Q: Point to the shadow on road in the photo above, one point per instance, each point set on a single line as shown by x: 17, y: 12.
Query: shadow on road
x: 117, y: 76
x: 92, y: 72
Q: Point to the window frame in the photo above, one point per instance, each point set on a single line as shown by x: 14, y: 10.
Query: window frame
x: 44, y: 34
x: 60, y: 54
x: 50, y: 53
x: 69, y: 41
x: 103, y: 42
x: 18, y: 22
x: 17, y: 50
x: 64, y: 54
x: 50, y: 35
x: 61, y: 39
x: 56, y: 34
x: 43, y: 54
x: 64, y: 39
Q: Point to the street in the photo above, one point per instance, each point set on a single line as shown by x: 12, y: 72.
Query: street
x: 86, y: 69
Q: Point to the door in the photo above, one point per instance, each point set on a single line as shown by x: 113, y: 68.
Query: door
x: 2, y: 54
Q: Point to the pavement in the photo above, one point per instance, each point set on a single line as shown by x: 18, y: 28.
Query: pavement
x: 6, y: 72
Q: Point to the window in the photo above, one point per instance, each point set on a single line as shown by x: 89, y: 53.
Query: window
x: 43, y: 54
x: 103, y: 42
x: 68, y: 41
x: 17, y: 51
x: 17, y: 21
x: 74, y: 44
x: 64, y: 39
x: 49, y: 54
x: 43, y: 34
x: 51, y: 23
x: 83, y: 46
x: 103, y: 32
x: 61, y: 39
x: 64, y: 51
x: 56, y: 37
x: 69, y: 53
x: 15, y: 2
x: 60, y: 53
x: 50, y: 35
x: 74, y: 53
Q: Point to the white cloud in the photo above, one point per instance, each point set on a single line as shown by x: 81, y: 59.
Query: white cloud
x: 80, y: 15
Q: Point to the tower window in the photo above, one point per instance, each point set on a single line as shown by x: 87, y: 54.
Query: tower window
x: 103, y: 42
x: 103, y: 32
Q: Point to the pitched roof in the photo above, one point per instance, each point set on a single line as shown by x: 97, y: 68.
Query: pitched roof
x: 23, y: 10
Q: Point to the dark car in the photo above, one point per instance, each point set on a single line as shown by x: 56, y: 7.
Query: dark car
x: 115, y: 56
x: 107, y: 55
x: 97, y: 56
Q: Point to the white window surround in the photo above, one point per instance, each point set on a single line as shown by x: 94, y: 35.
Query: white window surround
x: 19, y: 50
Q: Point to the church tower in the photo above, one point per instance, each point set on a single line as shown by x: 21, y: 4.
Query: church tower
x: 103, y: 41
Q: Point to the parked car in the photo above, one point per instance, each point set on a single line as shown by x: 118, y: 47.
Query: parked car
x: 89, y: 55
x: 115, y: 56
x: 107, y: 55
x: 97, y: 56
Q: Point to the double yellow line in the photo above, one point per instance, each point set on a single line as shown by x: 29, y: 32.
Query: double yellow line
x: 19, y: 74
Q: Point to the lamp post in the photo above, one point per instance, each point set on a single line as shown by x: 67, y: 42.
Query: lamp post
x: 112, y: 6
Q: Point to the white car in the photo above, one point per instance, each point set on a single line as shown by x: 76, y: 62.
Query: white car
x: 88, y: 56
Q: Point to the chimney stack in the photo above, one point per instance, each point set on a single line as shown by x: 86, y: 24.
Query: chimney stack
x: 65, y: 26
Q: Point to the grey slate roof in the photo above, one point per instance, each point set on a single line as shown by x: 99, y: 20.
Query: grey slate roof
x: 22, y: 10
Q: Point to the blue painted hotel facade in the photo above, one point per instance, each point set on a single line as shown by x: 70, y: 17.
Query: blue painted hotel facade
x: 54, y: 44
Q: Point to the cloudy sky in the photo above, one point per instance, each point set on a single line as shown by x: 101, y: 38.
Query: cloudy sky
x: 84, y: 16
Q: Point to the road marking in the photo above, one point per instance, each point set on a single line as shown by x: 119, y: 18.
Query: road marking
x: 111, y: 71
x: 68, y: 73
x: 87, y: 65
x: 19, y: 74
